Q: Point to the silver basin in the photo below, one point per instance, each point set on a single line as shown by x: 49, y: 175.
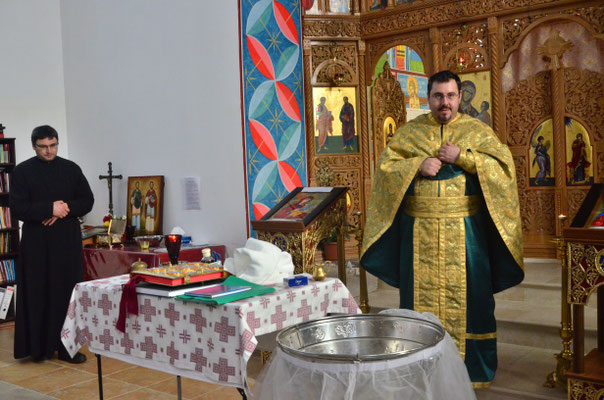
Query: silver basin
x: 363, y: 337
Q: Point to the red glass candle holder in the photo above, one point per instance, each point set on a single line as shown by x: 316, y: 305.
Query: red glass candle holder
x: 173, y: 246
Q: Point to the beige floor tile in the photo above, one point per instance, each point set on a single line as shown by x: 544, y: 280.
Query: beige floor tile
x: 145, y: 394
x: 25, y: 369
x: 90, y: 389
x: 140, y: 376
x: 108, y: 365
x: 51, y: 381
x: 224, y: 393
x: 6, y: 358
x: 190, y: 388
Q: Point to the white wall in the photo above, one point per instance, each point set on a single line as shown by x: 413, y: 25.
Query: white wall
x: 151, y: 85
x: 31, y: 71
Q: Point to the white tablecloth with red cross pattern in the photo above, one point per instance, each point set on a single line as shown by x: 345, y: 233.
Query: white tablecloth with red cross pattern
x: 194, y: 340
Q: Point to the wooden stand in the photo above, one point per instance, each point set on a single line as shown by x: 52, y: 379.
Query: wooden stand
x: 585, y: 249
x: 300, y: 237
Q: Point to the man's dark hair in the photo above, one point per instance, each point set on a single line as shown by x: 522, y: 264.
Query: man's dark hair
x: 43, y: 132
x: 443, y: 77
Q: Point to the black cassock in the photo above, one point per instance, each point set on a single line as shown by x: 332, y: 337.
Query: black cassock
x: 51, y: 260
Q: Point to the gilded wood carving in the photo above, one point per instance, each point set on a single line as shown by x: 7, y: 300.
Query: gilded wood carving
x: 527, y: 105
x: 330, y: 58
x: 575, y: 198
x: 470, y: 42
x: 584, y: 98
x: 388, y: 100
x: 331, y: 28
x: 516, y: 27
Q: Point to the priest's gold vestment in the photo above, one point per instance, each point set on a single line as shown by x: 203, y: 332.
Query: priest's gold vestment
x: 448, y: 242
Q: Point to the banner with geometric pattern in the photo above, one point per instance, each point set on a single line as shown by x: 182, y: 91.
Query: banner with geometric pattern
x: 275, y: 146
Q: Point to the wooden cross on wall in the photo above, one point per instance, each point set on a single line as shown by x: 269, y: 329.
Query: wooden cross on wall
x: 110, y: 178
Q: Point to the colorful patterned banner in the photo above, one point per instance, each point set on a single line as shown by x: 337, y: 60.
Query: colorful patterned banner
x: 273, y: 102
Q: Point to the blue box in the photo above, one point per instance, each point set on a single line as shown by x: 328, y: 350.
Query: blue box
x: 296, y: 280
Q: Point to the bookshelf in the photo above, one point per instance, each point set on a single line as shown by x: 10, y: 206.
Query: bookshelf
x: 9, y: 226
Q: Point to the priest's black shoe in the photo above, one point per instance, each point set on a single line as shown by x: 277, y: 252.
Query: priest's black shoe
x: 77, y: 359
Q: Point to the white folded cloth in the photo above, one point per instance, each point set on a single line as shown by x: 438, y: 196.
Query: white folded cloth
x: 260, y: 262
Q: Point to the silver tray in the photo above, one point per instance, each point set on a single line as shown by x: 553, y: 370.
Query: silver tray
x: 363, y: 337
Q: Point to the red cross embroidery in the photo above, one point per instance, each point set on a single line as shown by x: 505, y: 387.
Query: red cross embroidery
x: 223, y: 369
x: 83, y: 336
x: 264, y: 301
x: 278, y: 317
x: 224, y: 329
x: 184, y: 336
x: 171, y: 314
x: 127, y: 343
x: 71, y: 310
x: 148, y: 347
x: 199, y: 360
x: 198, y: 320
x: 304, y: 311
x: 291, y: 295
x: 161, y: 331
x: 325, y: 302
x: 106, y: 339
x: 136, y: 327
x: 65, y: 333
x: 147, y: 310
x: 252, y: 321
x: 105, y: 304
x: 172, y: 353
x: 337, y: 284
x: 351, y: 304
x: 315, y: 290
x: 246, y: 342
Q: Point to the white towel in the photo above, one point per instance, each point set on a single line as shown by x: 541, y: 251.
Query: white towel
x: 260, y: 262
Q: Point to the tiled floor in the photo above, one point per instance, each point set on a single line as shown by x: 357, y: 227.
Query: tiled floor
x: 521, y: 373
x: 54, y: 379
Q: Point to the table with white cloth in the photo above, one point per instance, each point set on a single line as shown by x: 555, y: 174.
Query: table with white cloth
x: 194, y: 340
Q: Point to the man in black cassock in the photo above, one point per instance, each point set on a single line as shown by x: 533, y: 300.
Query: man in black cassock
x: 48, y: 193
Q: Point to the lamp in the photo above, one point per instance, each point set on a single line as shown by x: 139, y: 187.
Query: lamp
x: 461, y: 60
x: 173, y: 246
x: 334, y: 72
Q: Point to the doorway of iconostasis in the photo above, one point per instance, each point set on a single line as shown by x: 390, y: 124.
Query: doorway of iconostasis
x: 399, y: 93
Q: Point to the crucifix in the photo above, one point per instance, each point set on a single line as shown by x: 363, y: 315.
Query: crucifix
x: 109, y: 178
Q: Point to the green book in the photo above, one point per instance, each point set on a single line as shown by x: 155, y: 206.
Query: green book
x: 256, y: 290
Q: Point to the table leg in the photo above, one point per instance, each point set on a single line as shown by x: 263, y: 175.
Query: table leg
x: 100, y: 375
x: 242, y: 393
x: 178, y: 387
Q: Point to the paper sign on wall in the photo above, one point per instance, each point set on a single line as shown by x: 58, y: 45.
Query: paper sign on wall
x: 192, y: 186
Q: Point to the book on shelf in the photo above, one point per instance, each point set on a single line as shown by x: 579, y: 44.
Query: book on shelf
x: 166, y: 291
x: 211, y: 292
x: 8, y: 295
x: 7, y: 271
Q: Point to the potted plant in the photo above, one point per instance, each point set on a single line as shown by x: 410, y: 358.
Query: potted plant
x: 330, y: 247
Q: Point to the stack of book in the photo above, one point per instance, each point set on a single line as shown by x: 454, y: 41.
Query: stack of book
x: 5, y: 218
x: 7, y: 271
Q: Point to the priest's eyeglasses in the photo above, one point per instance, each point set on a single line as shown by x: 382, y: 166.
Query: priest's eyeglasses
x: 50, y: 147
x: 440, y: 97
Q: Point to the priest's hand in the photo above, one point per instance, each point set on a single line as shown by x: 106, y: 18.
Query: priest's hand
x: 448, y: 153
x: 49, y: 221
x: 60, y: 209
x: 430, y: 166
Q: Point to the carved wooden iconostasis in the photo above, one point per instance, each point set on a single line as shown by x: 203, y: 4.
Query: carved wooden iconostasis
x: 533, y: 70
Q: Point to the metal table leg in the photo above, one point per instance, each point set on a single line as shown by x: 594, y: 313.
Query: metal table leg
x: 242, y: 393
x: 178, y: 387
x: 100, y: 375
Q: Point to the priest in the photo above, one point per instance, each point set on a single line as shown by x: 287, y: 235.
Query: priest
x: 443, y: 223
x: 48, y: 193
